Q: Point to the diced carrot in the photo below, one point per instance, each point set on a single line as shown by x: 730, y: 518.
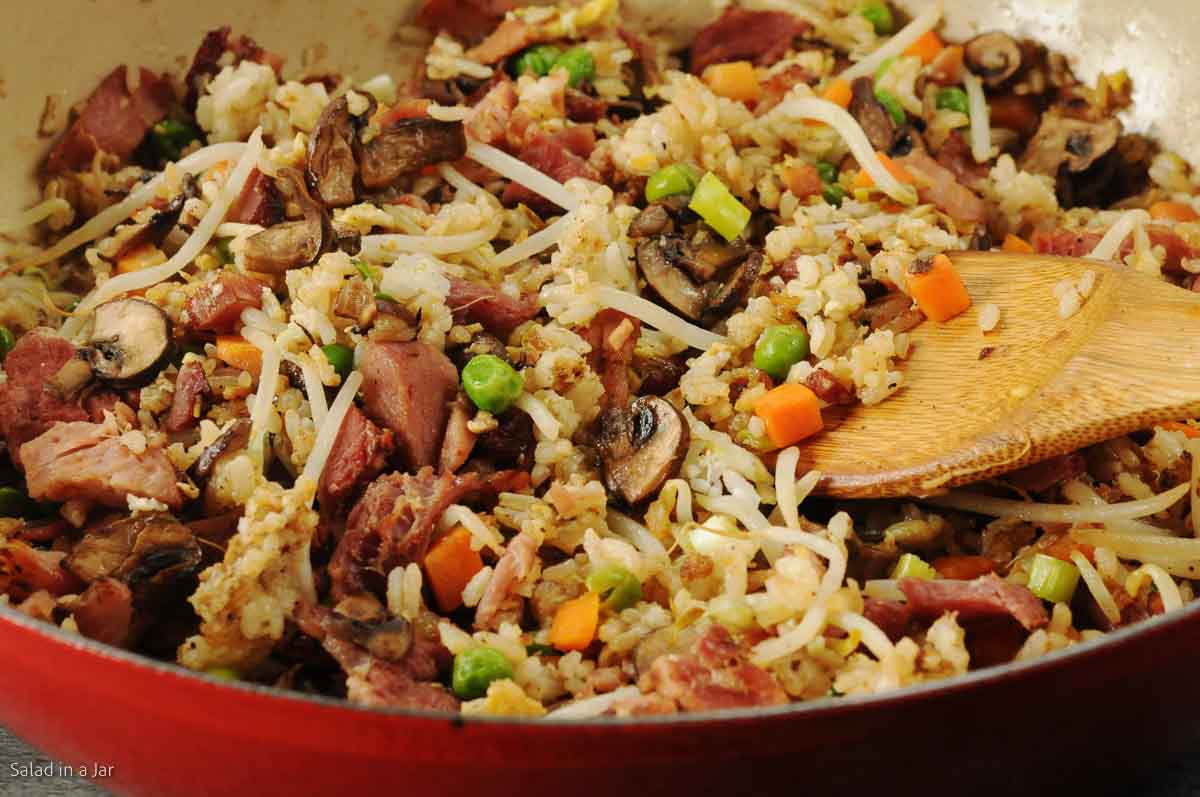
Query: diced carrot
x: 926, y: 48
x: 144, y: 256
x: 1016, y: 245
x: 963, y: 567
x: 791, y: 413
x: 1173, y: 211
x: 946, y: 67
x: 864, y: 180
x: 1013, y: 112
x: 938, y: 290
x: 838, y: 92
x: 1176, y: 426
x: 802, y: 179
x: 1061, y: 546
x: 449, y: 565
x: 405, y: 109
x: 237, y: 352
x: 574, y: 625
x: 735, y: 80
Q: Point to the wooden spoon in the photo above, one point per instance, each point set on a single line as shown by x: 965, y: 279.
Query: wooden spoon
x: 977, y: 405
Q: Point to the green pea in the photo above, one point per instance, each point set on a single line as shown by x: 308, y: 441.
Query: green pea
x: 880, y: 17
x: 340, y: 357
x: 678, y: 178
x: 834, y: 194
x: 580, y: 65
x: 953, y: 99
x: 7, y: 341
x: 14, y: 503
x: 538, y: 59
x: 475, y: 669
x: 828, y: 172
x: 779, y: 349
x: 617, y: 587
x: 491, y: 383
x: 223, y: 673
x: 891, y: 105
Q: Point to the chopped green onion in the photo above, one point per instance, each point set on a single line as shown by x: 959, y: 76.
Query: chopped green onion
x: 170, y: 137
x: 779, y: 348
x: 828, y: 172
x: 14, y: 503
x: 1052, y: 579
x: 913, y: 566
x: 223, y: 251
x: 538, y: 60
x: 363, y: 269
x: 891, y: 105
x: 580, y: 65
x: 492, y: 384
x: 475, y: 669
x: 721, y: 209
x: 340, y: 357
x: 880, y: 17
x: 538, y: 649
x: 678, y: 178
x: 884, y: 66
x: 223, y: 673
x: 953, y: 99
x: 380, y: 296
x: 7, y: 341
x: 834, y: 194
x: 617, y: 587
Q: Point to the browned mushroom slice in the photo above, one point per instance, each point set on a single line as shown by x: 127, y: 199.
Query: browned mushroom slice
x: 993, y: 56
x: 130, y: 339
x: 406, y: 147
x: 292, y: 244
x: 1062, y: 139
x: 654, y: 220
x: 871, y: 116
x: 656, y: 258
x: 356, y: 300
x: 331, y: 164
x: 729, y: 295
x: 234, y: 439
x: 642, y: 446
x: 705, y: 253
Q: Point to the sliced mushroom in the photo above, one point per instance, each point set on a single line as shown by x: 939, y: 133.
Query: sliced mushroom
x: 406, y: 147
x: 993, y: 56
x: 705, y: 253
x: 131, y: 338
x: 292, y: 244
x: 234, y: 439
x: 729, y: 295
x: 870, y: 114
x: 1076, y: 142
x: 356, y: 300
x: 389, y: 640
x: 654, y: 220
x: 161, y: 223
x: 642, y: 446
x: 656, y: 258
x: 71, y: 379
x: 331, y: 164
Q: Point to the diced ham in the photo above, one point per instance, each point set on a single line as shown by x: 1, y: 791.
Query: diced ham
x: 510, y: 37
x: 803, y: 180
x: 956, y: 156
x: 939, y: 186
x: 516, y: 563
x: 392, y: 523
x: 742, y: 35
x: 464, y: 19
x: 475, y: 303
x: 556, y: 156
x: 985, y: 596
x: 779, y: 85
x: 459, y: 440
x: 714, y: 674
x: 582, y: 107
x: 829, y: 388
x: 104, y: 612
x: 258, y: 203
x: 112, y: 120
x: 408, y: 387
x: 359, y: 454
x: 25, y: 570
x: 1080, y: 243
x: 89, y: 461
x: 645, y: 53
x: 613, y: 335
x: 102, y: 401
x: 28, y: 404
x: 218, y: 305
x: 191, y: 386
x: 892, y: 617
x: 1050, y: 473
x: 488, y: 120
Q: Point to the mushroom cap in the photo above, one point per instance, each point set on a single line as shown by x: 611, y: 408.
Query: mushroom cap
x: 993, y: 56
x: 130, y: 339
x: 642, y: 445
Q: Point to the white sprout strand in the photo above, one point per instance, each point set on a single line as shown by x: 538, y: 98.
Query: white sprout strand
x: 876, y: 641
x: 540, y: 414
x: 663, y: 320
x: 388, y: 246
x: 535, y: 244
x: 747, y: 514
x: 924, y: 22
x: 785, y: 486
x: 30, y: 217
x: 267, y: 386
x: 981, y: 132
x: 1096, y: 586
x: 1058, y: 513
x: 1110, y: 244
x: 835, y: 571
x: 522, y: 173
x: 775, y: 648
x: 683, y: 499
x: 594, y: 706
x: 458, y: 181
x: 1168, y: 590
x: 1079, y: 493
x: 141, y: 196
x: 136, y: 280
x: 856, y: 140
x: 328, y: 432
x: 314, y: 389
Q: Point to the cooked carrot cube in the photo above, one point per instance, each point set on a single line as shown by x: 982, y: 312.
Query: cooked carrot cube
x: 937, y: 289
